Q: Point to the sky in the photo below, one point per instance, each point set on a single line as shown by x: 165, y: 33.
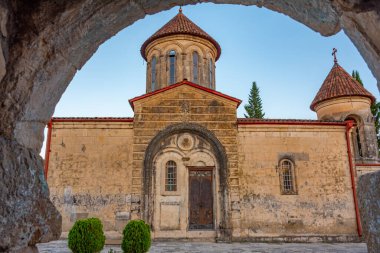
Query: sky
x: 288, y: 60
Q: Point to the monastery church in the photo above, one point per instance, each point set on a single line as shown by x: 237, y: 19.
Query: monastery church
x: 191, y: 169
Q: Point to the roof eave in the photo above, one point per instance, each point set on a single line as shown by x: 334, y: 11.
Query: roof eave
x: 315, y: 104
x: 184, y: 82
x: 151, y: 39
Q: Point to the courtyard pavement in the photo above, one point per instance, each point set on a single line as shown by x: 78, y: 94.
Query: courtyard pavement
x: 200, y: 247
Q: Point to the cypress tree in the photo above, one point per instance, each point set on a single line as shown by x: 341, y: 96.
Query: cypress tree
x: 356, y: 76
x: 254, y: 108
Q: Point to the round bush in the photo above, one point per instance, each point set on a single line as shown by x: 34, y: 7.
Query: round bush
x: 136, y: 237
x: 86, y: 236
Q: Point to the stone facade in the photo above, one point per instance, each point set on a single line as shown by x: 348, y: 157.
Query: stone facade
x: 116, y: 171
x: 322, y: 204
x: 190, y: 168
x: 90, y: 171
x: 189, y: 105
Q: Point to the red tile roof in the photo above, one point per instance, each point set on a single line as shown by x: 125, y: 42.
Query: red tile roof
x: 184, y: 82
x: 254, y: 121
x: 339, y: 83
x: 180, y: 24
x: 92, y: 119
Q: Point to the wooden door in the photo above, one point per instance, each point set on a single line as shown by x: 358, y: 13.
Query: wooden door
x: 201, y: 198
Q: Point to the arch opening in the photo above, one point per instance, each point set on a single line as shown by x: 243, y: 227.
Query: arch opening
x: 155, y: 148
x: 29, y: 96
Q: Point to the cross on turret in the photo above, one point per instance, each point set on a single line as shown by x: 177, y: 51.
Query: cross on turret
x: 334, y: 54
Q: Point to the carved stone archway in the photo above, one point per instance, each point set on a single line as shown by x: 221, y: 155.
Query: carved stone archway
x: 154, y: 148
x: 44, y: 43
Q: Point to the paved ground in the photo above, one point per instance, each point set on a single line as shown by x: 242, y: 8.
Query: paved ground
x: 171, y: 247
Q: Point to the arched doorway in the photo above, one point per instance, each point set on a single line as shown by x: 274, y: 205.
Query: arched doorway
x: 185, y: 184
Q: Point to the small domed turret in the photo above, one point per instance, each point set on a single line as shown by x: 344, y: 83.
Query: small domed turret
x: 341, y: 97
x: 180, y: 50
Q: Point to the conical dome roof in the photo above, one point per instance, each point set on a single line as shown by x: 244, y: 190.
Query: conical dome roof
x: 180, y: 24
x: 339, y: 83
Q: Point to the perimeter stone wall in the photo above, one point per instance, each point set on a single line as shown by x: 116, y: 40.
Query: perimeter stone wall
x: 90, y: 172
x: 323, y: 208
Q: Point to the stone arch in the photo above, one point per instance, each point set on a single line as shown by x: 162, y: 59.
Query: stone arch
x: 44, y: 44
x: 178, y: 47
x: 154, y: 148
x: 357, y: 135
x: 154, y: 52
x: 195, y: 48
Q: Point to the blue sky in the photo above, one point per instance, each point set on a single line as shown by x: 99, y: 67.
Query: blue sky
x: 288, y: 61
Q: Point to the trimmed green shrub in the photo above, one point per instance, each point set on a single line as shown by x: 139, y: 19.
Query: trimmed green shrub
x: 86, y: 236
x: 136, y: 237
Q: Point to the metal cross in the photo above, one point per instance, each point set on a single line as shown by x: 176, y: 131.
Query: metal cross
x: 334, y: 54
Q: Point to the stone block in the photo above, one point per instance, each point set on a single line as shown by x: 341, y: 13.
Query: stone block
x: 170, y: 216
x: 78, y: 216
x: 121, y: 220
x: 369, y: 206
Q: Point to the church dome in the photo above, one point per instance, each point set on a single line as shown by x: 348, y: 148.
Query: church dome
x: 180, y: 24
x: 339, y: 83
x: 180, y: 50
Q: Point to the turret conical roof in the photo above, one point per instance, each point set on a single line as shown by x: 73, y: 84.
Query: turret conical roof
x: 180, y: 24
x: 339, y: 83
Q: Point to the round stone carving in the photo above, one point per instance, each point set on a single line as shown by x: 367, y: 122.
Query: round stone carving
x: 185, y: 142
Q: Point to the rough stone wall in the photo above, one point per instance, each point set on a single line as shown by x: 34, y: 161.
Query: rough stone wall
x: 90, y: 172
x: 186, y: 104
x: 28, y: 217
x: 369, y: 206
x: 323, y: 207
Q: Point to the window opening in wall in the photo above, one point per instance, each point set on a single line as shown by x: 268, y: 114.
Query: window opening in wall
x: 172, y: 67
x: 153, y: 77
x: 210, y: 72
x: 359, y: 144
x: 287, y: 177
x: 356, y: 139
x: 195, y: 67
x: 171, y: 176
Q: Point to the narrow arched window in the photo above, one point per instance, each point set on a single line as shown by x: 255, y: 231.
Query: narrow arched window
x: 195, y: 66
x: 171, y: 176
x: 287, y: 177
x: 360, y: 149
x: 356, y: 138
x: 153, y: 73
x: 210, y: 72
x: 172, y: 67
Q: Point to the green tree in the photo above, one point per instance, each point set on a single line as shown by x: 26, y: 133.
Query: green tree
x: 375, y: 108
x: 254, y: 108
x: 355, y: 74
